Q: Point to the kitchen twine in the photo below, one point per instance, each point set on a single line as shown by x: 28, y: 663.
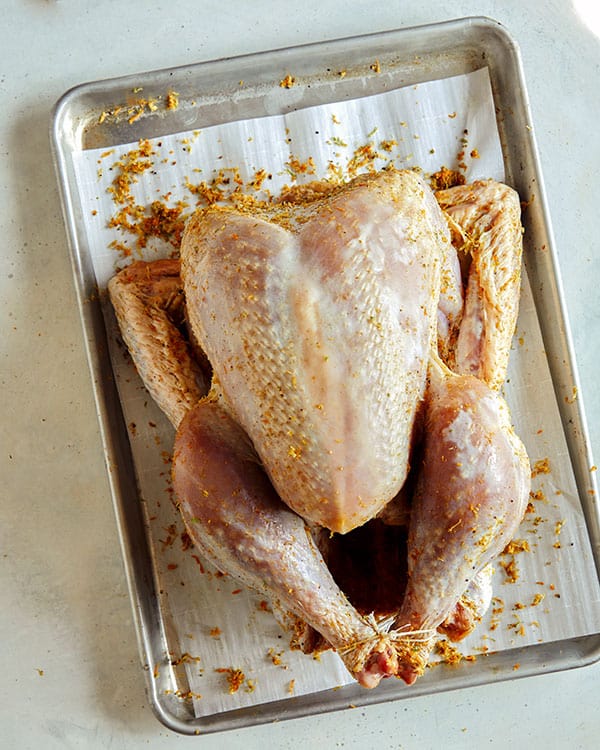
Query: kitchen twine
x: 382, y: 631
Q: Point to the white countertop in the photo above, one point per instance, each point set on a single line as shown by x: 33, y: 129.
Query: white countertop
x: 70, y: 671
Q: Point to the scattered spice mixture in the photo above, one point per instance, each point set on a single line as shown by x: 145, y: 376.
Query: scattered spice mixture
x: 446, y: 178
x: 275, y: 657
x: 542, y: 466
x: 516, y: 546
x: 185, y: 658
x: 497, y: 609
x: 450, y: 654
x: 235, y: 678
x: 186, y: 695
x: 172, y: 100
x: 287, y: 82
x: 571, y: 399
x: 511, y: 569
x: 137, y: 106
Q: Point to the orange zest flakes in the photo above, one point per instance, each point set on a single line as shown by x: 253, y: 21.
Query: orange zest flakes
x: 162, y: 222
x: 137, y: 107
x: 185, y: 658
x: 297, y: 167
x: 363, y: 156
x: 388, y: 145
x: 172, y: 100
x: 223, y: 186
x: 215, y: 632
x: 141, y: 222
x: 446, y: 178
x: 516, y: 546
x: 511, y: 569
x: 137, y: 110
x: 497, y: 610
x: 166, y: 223
x: 131, y: 111
x: 259, y: 177
x: 557, y: 529
x: 571, y: 399
x: 518, y: 626
x: 537, y: 495
x: 134, y: 162
x: 186, y: 695
x: 287, y: 82
x: 121, y: 247
x: 291, y: 686
x: 235, y: 678
x: 540, y: 467
x: 450, y: 654
x: 275, y: 657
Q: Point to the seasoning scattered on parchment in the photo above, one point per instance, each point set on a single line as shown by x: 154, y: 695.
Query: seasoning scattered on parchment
x: 450, y: 654
x: 542, y: 466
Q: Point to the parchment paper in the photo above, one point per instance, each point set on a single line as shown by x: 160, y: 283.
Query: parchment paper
x: 214, y: 623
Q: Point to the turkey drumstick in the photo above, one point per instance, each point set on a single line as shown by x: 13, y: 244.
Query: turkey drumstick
x: 471, y: 495
x: 237, y: 521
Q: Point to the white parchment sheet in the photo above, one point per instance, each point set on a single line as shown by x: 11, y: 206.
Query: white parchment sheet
x: 215, y: 624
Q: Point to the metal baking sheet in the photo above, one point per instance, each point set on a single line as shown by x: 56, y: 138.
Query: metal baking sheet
x: 106, y: 114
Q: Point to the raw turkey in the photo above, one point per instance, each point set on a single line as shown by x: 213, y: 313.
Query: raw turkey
x: 322, y: 323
